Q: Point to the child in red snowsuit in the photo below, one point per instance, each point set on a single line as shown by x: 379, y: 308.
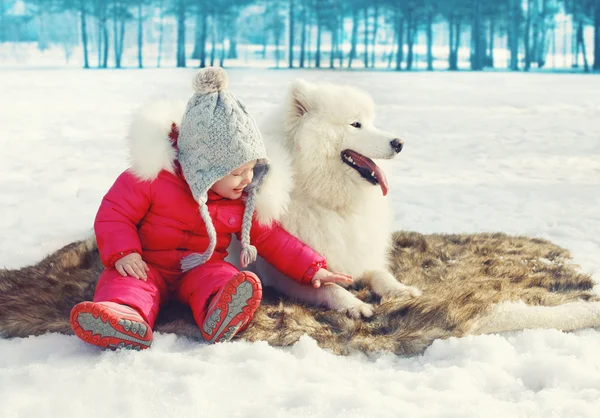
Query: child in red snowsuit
x: 169, y: 207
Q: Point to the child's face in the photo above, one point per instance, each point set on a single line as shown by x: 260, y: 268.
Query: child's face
x: 233, y: 184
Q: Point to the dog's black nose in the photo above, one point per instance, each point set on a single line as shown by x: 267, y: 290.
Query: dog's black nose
x: 397, y: 144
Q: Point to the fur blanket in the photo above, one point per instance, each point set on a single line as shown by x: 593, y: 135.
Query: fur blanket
x: 464, y: 278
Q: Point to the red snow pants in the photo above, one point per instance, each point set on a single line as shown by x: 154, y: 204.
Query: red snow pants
x: 193, y: 288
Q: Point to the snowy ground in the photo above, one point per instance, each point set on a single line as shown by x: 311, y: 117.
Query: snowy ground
x: 484, y: 152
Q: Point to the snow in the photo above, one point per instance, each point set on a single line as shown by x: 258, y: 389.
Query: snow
x: 518, y: 153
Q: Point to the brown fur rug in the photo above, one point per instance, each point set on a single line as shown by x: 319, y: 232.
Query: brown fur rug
x: 461, y: 276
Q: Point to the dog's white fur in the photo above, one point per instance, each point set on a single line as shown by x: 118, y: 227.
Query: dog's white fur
x: 323, y: 201
x: 329, y: 206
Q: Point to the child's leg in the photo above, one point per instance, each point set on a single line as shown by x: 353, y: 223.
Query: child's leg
x: 143, y: 296
x: 122, y: 313
x: 235, y: 297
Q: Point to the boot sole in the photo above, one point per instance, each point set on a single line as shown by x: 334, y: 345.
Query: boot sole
x: 101, y: 326
x: 240, y: 299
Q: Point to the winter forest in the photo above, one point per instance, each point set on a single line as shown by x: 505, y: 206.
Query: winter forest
x: 518, y: 35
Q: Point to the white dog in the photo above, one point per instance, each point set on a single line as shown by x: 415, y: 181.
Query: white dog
x: 330, y: 193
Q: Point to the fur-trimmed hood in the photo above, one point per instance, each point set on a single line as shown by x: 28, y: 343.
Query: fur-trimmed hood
x: 152, y: 147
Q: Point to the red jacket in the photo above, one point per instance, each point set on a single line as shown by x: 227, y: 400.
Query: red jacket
x: 160, y: 220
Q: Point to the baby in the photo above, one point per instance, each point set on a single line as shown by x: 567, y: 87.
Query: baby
x: 163, y: 229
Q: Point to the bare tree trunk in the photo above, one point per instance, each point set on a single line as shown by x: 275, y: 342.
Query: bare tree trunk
x: 181, y: 12
x: 105, y: 44
x: 3, y: 24
x: 200, y: 13
x: 213, y: 39
x: 575, y: 49
x: 232, y: 30
x: 116, y: 35
x: 222, y: 40
x: 535, y: 33
x: 429, y: 40
x: 455, y: 32
x: 99, y: 35
x: 451, y: 42
x: 319, y: 31
x: 303, y: 37
x: 340, y: 38
x: 410, y: 39
x: 513, y: 33
x: 366, y: 36
x: 291, y: 35
x: 490, y: 59
x: 203, y: 36
x: 581, y: 43
x: 334, y: 43
x: 399, y: 39
x: 353, y: 38
x: 265, y: 42
x: 140, y: 35
x: 161, y: 32
x: 542, y: 44
x: 477, y: 50
x: 277, y: 38
x: 391, y: 55
x: 309, y: 40
x: 84, y: 37
x: 375, y: 28
x: 527, y: 37
x: 597, y: 35
x: 121, y: 37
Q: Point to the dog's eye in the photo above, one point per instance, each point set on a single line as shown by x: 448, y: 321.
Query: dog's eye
x: 356, y: 124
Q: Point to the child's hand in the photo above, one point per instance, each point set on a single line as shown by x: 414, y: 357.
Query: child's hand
x: 325, y: 276
x: 132, y: 265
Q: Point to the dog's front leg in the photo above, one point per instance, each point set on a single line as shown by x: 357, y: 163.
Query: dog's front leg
x: 329, y: 295
x: 384, y: 283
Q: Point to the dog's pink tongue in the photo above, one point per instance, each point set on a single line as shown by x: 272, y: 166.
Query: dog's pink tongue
x: 380, y: 175
x: 369, y: 164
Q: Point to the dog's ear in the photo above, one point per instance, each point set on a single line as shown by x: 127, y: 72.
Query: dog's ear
x: 300, y: 98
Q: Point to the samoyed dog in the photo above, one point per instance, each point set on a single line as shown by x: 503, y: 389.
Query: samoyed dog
x: 326, y: 188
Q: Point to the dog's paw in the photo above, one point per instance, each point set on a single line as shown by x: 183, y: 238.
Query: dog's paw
x: 339, y: 299
x: 363, y: 310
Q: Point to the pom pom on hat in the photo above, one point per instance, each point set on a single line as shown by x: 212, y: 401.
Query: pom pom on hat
x: 210, y: 80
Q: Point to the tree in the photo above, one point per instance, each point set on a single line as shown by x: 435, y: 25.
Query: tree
x: 2, y: 21
x: 161, y: 30
x: 99, y: 10
x: 181, y: 14
x: 497, y: 15
x: 84, y: 35
x: 456, y: 13
x: 431, y: 11
x: 120, y: 14
x: 597, y: 35
x: 582, y: 12
x: 514, y: 16
x: 201, y: 33
x: 354, y: 37
x: 304, y: 24
x: 291, y: 15
x: 140, y: 32
x: 477, y: 37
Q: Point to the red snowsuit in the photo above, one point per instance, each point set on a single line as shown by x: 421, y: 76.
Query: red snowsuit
x: 160, y: 220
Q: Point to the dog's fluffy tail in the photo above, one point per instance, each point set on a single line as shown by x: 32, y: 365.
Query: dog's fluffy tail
x: 515, y: 316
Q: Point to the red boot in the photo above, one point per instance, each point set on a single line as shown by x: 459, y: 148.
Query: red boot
x: 110, y: 325
x: 232, y: 308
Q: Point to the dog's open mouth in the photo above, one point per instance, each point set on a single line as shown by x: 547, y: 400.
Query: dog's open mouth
x: 367, y: 169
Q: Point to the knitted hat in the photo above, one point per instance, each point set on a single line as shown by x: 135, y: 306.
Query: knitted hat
x: 217, y: 135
